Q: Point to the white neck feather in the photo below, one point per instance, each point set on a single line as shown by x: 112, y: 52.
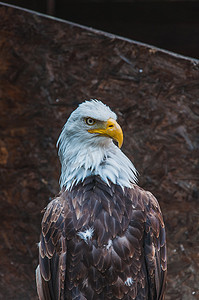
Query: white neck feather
x: 80, y: 160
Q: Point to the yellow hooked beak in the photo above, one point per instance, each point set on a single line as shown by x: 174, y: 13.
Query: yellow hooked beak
x: 110, y: 129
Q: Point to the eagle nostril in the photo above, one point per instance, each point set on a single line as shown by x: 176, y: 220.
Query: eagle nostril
x: 110, y: 126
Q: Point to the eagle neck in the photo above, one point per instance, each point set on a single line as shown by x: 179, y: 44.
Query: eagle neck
x: 107, y: 161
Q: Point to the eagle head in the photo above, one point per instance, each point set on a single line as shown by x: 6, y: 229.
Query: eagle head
x: 93, y: 123
x: 86, y: 145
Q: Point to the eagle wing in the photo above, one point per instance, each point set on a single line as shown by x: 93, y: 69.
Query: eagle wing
x: 155, y: 248
x: 50, y: 274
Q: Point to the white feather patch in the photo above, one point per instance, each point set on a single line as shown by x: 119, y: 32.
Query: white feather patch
x: 109, y: 244
x: 129, y: 281
x: 85, y: 282
x: 86, y: 235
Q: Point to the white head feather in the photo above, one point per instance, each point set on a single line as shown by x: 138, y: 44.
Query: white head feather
x: 83, y: 154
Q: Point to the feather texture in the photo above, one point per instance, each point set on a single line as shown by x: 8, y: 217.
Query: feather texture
x: 120, y: 253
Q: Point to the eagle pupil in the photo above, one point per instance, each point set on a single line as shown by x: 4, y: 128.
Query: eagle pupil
x: 90, y: 121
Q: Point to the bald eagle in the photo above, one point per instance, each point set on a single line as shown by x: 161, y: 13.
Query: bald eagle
x: 102, y: 237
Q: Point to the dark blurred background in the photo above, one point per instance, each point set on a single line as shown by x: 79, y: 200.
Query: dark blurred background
x: 171, y: 25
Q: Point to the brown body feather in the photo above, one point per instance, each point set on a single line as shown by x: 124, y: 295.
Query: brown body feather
x: 128, y: 241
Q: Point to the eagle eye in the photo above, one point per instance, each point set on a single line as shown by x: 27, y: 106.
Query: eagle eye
x: 90, y: 121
